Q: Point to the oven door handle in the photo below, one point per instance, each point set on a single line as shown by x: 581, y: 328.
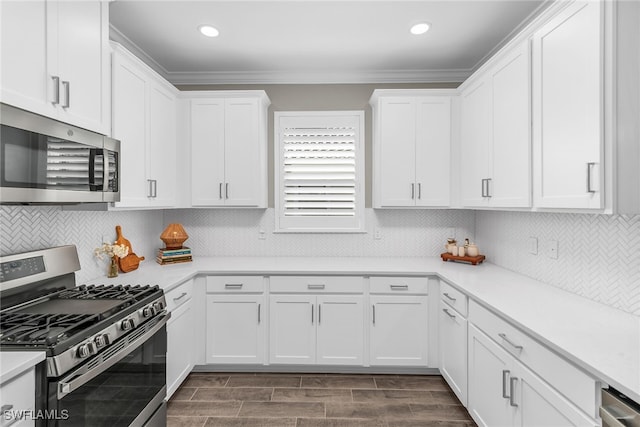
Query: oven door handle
x: 84, y: 374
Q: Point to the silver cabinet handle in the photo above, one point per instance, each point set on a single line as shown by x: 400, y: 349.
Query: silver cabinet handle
x: 590, y: 166
x: 312, y: 314
x: 319, y: 313
x: 512, y: 393
x: 180, y: 297
x: 413, y: 191
x: 399, y: 287
x: 56, y: 90
x: 233, y: 285
x: 312, y: 286
x: 67, y: 101
x: 220, y: 191
x: 150, y: 192
x: 258, y: 314
x: 488, y: 187
x: 511, y: 343
x: 374, y: 313
x: 155, y: 188
x: 419, y: 190
x: 448, y: 313
x: 226, y: 190
x: 449, y: 296
x: 505, y: 375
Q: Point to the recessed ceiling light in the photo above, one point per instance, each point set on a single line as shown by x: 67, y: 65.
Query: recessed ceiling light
x: 420, y: 28
x: 209, y: 31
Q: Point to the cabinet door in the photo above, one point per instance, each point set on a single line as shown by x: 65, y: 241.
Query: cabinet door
x: 82, y: 61
x: 129, y: 125
x: 475, y: 138
x: 453, y: 350
x: 510, y: 184
x: 568, y: 108
x: 180, y: 340
x: 399, y: 330
x: 433, y: 147
x: 292, y: 329
x: 490, y: 370
x: 207, y: 152
x: 340, y: 330
x: 244, y: 153
x: 539, y: 405
x: 235, y: 329
x: 25, y: 81
x: 396, y: 140
x: 161, y: 146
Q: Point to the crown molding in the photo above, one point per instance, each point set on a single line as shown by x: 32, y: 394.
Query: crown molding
x: 117, y: 36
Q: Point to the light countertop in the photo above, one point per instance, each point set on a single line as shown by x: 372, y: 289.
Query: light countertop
x: 602, y: 340
x: 13, y: 363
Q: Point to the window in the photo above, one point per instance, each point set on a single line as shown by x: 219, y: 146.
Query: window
x: 319, y: 171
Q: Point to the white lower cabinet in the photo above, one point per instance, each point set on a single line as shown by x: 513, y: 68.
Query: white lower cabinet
x: 236, y: 317
x: 180, y: 336
x: 503, y: 392
x: 316, y: 320
x: 398, y: 321
x: 18, y: 397
x: 453, y: 349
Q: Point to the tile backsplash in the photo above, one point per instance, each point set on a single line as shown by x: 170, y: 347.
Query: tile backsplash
x: 598, y: 255
x: 27, y: 228
x: 404, y: 233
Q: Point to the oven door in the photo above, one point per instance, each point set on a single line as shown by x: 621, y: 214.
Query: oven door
x: 125, y: 385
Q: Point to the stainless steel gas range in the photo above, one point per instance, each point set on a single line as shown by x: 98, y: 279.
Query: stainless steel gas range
x: 106, y: 345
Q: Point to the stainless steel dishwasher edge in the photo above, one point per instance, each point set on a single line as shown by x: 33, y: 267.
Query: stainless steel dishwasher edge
x: 618, y: 410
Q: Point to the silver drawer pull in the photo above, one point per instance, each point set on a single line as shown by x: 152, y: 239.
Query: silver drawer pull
x: 508, y: 341
x: 449, y: 297
x: 448, y: 313
x: 233, y: 285
x: 184, y: 294
x: 319, y: 286
x: 258, y: 313
x: 399, y: 287
x: 512, y: 392
x: 505, y: 375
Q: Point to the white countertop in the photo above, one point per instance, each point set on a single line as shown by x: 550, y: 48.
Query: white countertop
x: 13, y: 363
x: 602, y: 340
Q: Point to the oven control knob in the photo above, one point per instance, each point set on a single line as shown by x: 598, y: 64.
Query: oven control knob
x: 86, y: 350
x: 127, y: 324
x: 148, y: 312
x: 102, y: 340
x: 158, y: 305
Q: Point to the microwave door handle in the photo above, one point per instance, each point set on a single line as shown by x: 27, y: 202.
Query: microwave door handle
x: 93, y: 152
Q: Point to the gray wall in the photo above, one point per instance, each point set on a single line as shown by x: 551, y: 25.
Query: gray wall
x: 296, y: 97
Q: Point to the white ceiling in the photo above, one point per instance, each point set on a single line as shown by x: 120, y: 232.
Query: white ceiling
x: 321, y: 41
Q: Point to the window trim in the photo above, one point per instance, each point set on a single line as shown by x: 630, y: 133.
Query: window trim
x: 314, y: 224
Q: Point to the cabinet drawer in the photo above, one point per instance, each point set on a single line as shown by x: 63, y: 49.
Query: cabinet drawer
x: 178, y: 296
x: 228, y: 284
x: 315, y: 284
x: 19, y: 393
x: 454, y: 298
x: 568, y: 379
x: 399, y: 285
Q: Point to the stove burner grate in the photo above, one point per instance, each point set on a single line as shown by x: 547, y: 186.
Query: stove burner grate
x: 41, y: 329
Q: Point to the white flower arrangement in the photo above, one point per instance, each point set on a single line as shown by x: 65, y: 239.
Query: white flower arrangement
x: 120, y: 251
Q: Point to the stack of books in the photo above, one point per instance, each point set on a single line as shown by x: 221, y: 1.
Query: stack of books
x: 173, y: 256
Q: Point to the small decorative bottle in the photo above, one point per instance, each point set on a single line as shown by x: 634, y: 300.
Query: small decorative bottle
x: 113, y: 267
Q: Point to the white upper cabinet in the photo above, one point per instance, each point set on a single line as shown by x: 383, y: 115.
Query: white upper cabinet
x: 568, y: 109
x: 228, y: 148
x: 144, y: 120
x: 412, y: 136
x: 55, y: 60
x: 495, y: 136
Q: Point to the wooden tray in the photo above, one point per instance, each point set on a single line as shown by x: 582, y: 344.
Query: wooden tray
x: 474, y: 260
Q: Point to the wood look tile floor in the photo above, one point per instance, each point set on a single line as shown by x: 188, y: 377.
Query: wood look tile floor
x: 315, y: 400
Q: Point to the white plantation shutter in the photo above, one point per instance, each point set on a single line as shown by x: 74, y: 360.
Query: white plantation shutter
x: 320, y: 171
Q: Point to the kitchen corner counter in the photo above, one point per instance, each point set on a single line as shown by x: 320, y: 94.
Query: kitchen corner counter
x: 603, y: 341
x: 14, y: 363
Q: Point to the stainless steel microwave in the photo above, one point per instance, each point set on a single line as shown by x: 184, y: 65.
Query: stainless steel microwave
x: 46, y: 161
